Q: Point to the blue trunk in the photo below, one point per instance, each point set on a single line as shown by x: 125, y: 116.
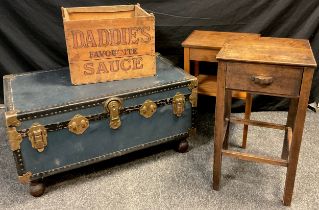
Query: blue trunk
x: 48, y: 98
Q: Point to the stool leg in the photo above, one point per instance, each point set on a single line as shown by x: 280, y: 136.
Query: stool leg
x: 219, y: 124
x: 297, y: 135
x: 290, y: 123
x: 196, y: 68
x: 228, y: 99
x: 186, y: 60
x: 247, y: 117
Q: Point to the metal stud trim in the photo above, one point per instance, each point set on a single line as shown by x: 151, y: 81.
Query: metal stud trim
x: 100, y: 116
x: 64, y: 108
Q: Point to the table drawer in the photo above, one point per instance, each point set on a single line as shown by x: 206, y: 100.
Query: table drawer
x: 263, y: 78
x: 208, y: 55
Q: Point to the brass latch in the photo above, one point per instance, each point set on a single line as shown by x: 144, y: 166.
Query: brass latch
x: 148, y: 108
x: 178, y: 104
x: 78, y: 124
x: 38, y: 136
x: 113, y: 107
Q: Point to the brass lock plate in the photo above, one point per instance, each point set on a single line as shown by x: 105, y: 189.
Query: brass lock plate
x: 113, y: 107
x: 38, y: 136
x: 178, y: 104
x: 148, y: 108
x: 78, y: 124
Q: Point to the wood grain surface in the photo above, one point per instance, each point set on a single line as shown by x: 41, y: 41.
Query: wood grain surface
x: 214, y: 39
x: 283, y: 51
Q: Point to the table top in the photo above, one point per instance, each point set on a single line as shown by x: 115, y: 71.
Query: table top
x: 271, y: 50
x: 213, y: 39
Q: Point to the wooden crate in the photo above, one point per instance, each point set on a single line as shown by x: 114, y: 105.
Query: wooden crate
x: 108, y: 43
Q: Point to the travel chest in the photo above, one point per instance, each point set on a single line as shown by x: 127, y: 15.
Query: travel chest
x: 53, y: 126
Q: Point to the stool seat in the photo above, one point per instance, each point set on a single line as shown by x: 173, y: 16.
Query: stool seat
x: 268, y: 66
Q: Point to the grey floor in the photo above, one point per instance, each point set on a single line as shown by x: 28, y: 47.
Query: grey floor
x: 164, y: 179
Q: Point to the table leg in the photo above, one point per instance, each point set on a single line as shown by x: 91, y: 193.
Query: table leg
x: 219, y: 125
x: 290, y: 123
x: 196, y: 68
x: 228, y: 100
x: 186, y: 60
x: 297, y: 135
x: 247, y: 116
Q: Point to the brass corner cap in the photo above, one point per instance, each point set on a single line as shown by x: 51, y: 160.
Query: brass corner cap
x: 192, y: 131
x: 25, y: 178
x: 193, y: 84
x: 12, y: 119
x: 8, y: 77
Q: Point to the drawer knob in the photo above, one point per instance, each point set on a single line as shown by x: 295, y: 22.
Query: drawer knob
x: 261, y: 80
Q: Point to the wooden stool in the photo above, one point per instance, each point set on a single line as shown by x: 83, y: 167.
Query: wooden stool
x: 204, y: 46
x: 268, y: 66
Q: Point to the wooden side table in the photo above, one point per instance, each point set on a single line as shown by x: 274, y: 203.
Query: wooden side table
x: 204, y: 46
x: 268, y: 66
